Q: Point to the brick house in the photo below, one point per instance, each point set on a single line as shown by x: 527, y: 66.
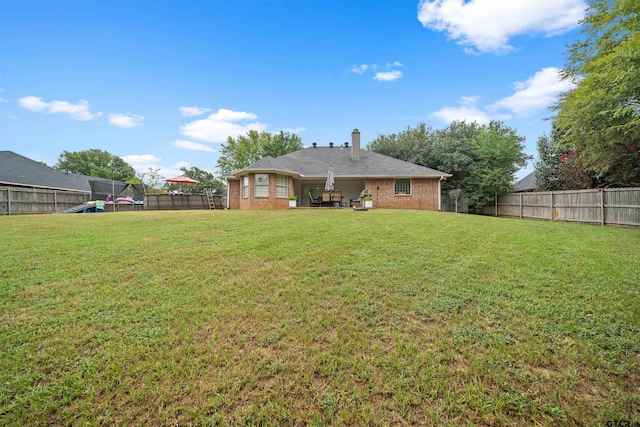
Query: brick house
x: 393, y: 183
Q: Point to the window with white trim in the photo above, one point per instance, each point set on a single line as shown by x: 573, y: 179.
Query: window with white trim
x: 282, y: 186
x: 261, y: 185
x: 245, y: 187
x: 402, y: 186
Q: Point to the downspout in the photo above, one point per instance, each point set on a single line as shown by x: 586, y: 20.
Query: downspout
x: 227, y: 199
x: 442, y: 178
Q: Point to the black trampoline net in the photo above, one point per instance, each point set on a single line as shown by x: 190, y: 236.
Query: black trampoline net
x: 100, y: 189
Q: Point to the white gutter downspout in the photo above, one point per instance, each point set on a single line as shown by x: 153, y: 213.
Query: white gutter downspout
x: 442, y: 178
x: 227, y: 201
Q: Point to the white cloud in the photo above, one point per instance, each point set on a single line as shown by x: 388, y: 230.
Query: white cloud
x: 220, y: 125
x: 359, y: 69
x: 32, y: 103
x: 3, y: 100
x: 537, y: 93
x: 534, y: 94
x: 231, y: 116
x: 294, y: 130
x: 487, y: 25
x: 193, y: 146
x: 79, y: 111
x: 193, y: 111
x: 142, y: 162
x: 173, y: 170
x: 388, y: 76
x: 128, y: 120
x: 466, y: 111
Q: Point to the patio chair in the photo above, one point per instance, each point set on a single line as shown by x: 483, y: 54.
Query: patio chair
x: 337, y: 197
x: 326, y: 198
x: 100, y: 206
x: 314, y: 201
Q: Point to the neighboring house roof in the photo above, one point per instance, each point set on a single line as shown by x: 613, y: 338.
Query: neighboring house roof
x: 314, y: 162
x: 528, y: 183
x: 18, y: 170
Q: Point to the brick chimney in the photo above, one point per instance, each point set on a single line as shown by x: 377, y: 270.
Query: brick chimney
x: 355, y: 144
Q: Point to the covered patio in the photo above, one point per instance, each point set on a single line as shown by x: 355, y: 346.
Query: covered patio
x: 349, y: 190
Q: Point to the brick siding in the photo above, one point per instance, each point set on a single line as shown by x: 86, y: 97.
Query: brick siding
x: 266, y: 203
x: 234, y: 191
x: 424, y: 194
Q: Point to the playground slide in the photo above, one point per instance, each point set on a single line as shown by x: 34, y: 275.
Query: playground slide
x: 75, y: 209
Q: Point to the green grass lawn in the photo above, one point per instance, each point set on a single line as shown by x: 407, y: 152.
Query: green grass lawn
x: 316, y: 317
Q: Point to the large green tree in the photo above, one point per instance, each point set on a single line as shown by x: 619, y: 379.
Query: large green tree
x: 96, y: 163
x: 448, y: 150
x: 244, y: 150
x: 481, y: 158
x: 498, y: 155
x: 601, y: 116
x: 408, y: 144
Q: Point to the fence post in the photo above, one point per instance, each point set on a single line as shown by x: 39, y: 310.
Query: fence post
x: 496, y: 204
x: 8, y: 201
x: 520, y: 205
x: 601, y: 205
x: 55, y: 201
x: 551, y: 205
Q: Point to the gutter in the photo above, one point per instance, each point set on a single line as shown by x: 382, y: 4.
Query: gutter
x: 242, y: 172
x: 442, y: 178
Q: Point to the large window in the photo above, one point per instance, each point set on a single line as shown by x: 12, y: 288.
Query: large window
x: 403, y: 186
x: 282, y: 186
x: 245, y: 187
x: 261, y: 186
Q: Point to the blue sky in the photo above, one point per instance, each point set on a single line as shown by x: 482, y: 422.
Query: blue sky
x: 163, y: 83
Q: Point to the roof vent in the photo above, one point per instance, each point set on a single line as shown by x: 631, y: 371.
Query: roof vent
x: 331, y: 145
x: 314, y: 144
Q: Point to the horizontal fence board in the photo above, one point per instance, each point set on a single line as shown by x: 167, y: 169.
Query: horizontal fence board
x: 616, y: 206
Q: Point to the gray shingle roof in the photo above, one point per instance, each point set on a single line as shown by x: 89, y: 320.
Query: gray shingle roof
x: 268, y: 164
x: 315, y: 162
x: 527, y: 183
x: 19, y: 170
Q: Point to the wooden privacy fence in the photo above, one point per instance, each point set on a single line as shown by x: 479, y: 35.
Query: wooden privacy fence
x: 16, y: 200
x: 616, y: 206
